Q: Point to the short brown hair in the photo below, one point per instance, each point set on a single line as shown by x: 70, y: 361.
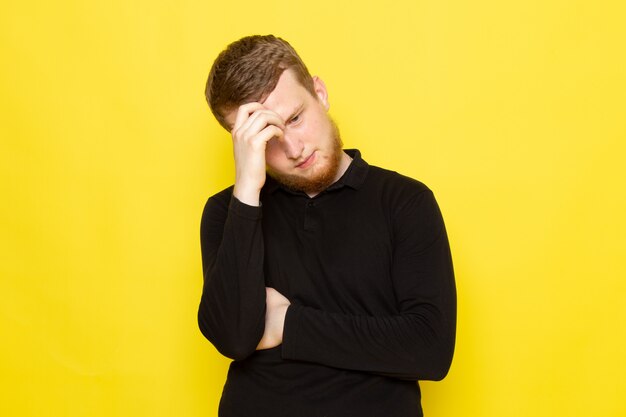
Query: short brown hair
x: 248, y: 70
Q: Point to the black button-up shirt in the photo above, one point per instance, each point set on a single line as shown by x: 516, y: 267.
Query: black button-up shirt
x: 366, y: 266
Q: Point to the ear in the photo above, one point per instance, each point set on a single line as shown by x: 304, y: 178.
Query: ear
x: 320, y: 90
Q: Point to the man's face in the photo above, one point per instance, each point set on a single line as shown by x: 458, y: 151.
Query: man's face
x: 309, y: 156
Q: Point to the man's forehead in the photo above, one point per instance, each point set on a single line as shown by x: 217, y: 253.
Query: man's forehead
x: 285, y: 110
x: 285, y: 99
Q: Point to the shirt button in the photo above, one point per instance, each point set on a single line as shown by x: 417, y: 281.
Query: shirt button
x: 310, y: 204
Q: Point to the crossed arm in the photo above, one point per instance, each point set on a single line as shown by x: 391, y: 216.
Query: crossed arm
x: 239, y: 315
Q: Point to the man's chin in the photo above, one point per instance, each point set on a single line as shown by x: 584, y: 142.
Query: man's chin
x: 308, y: 185
x: 321, y: 176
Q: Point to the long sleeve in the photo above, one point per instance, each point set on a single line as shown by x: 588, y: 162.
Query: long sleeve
x: 232, y: 308
x: 417, y: 342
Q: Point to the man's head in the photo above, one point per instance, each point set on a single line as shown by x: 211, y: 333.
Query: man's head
x: 259, y: 76
x: 248, y: 70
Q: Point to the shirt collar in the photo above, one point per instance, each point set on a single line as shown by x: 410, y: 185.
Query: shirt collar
x: 353, y: 177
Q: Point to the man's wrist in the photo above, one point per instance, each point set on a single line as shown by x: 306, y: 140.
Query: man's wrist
x: 247, y: 195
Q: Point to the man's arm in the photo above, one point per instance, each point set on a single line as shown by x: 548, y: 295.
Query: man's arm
x: 254, y: 126
x: 276, y: 310
x: 418, y: 341
x: 232, y: 308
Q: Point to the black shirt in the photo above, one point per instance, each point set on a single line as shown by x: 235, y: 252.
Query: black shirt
x: 366, y: 266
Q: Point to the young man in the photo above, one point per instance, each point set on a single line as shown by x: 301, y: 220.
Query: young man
x: 328, y: 281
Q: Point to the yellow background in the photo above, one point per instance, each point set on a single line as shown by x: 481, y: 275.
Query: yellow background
x: 513, y: 112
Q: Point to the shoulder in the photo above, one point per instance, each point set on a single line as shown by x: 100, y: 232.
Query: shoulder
x: 378, y: 180
x: 394, y: 178
x: 395, y: 188
x: 411, y: 207
x: 220, y: 199
x: 217, y: 204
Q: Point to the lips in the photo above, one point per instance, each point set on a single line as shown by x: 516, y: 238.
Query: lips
x: 307, y: 162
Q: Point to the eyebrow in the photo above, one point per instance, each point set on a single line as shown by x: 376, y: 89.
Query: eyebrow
x: 294, y: 112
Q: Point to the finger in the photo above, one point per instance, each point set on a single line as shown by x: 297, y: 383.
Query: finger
x: 263, y: 120
x: 244, y: 111
x: 255, y: 123
x: 259, y: 119
x: 264, y: 136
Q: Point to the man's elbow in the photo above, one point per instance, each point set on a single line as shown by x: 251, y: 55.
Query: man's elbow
x: 232, y: 344
x: 236, y: 352
x: 437, y: 373
x: 439, y: 362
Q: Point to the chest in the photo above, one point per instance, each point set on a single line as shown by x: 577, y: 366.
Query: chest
x: 332, y: 254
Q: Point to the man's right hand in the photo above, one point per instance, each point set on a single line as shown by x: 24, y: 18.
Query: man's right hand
x: 254, y: 126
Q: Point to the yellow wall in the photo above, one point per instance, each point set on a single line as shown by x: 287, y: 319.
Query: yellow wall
x: 513, y: 112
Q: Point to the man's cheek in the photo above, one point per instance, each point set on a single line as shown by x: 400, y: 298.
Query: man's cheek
x: 273, y: 156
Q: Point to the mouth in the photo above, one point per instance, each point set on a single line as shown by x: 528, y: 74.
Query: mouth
x: 307, y: 162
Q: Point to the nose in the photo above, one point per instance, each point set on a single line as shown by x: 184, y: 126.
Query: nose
x: 292, y: 146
